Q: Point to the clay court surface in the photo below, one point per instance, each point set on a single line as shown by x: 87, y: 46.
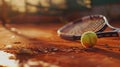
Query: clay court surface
x: 49, y: 50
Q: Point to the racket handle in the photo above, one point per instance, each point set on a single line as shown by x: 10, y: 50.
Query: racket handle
x: 107, y: 34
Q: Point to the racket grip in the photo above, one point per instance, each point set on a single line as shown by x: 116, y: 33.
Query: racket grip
x: 107, y: 34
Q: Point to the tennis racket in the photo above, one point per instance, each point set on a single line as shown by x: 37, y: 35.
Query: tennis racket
x: 95, y: 23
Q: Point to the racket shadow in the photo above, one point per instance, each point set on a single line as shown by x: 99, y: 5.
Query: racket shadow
x: 107, y: 53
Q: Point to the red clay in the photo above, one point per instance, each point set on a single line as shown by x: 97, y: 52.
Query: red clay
x: 49, y: 49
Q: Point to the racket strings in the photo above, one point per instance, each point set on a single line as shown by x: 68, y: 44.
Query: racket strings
x: 88, y: 25
x: 78, y: 28
x: 99, y: 25
x: 94, y: 25
x: 91, y: 26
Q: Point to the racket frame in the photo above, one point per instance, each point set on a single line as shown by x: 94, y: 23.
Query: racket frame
x: 77, y: 37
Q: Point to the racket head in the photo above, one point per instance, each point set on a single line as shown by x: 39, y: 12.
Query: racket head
x: 74, y: 29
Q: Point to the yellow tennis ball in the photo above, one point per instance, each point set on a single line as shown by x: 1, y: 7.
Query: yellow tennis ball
x: 88, y: 39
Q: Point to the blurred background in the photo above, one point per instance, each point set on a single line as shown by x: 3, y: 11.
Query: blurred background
x: 42, y: 11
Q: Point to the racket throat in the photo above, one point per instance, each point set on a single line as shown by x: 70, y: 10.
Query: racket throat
x: 107, y: 34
